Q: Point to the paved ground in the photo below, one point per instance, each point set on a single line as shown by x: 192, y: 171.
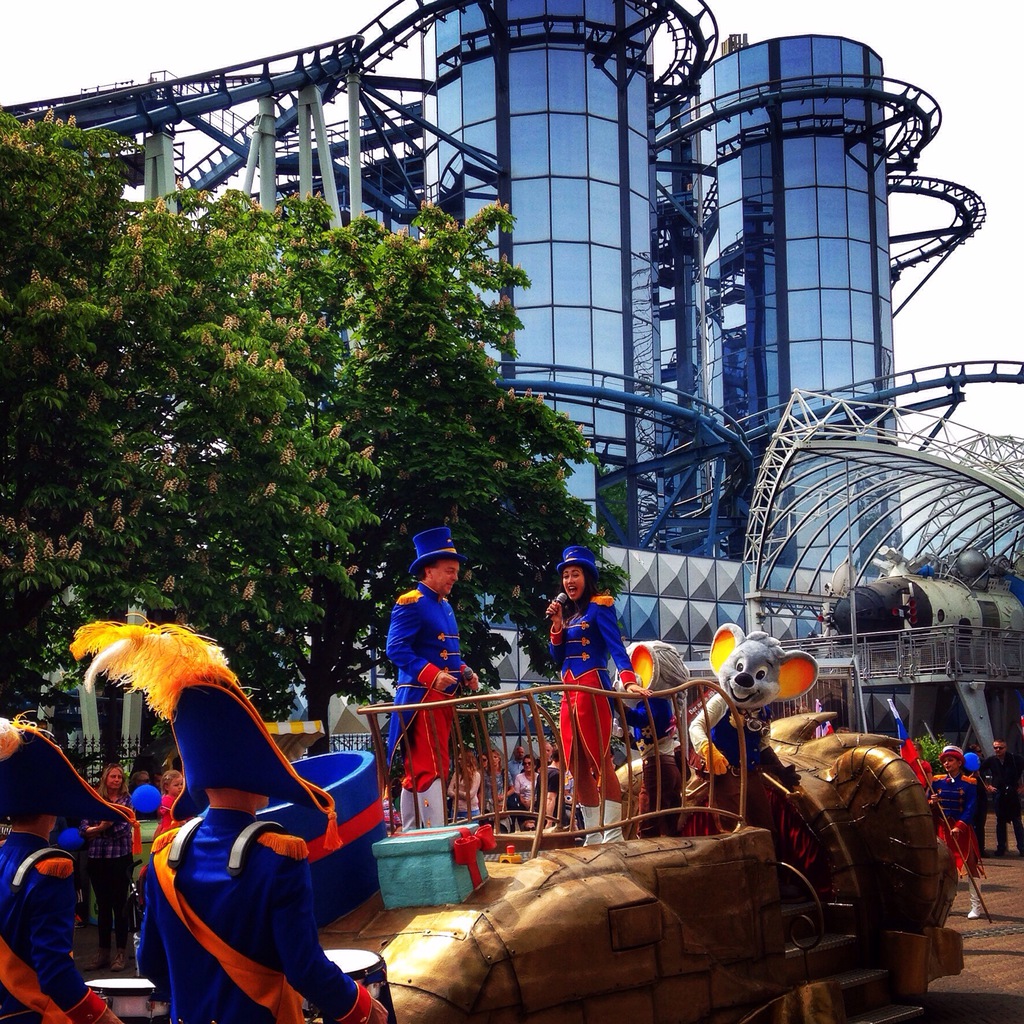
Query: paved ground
x: 990, y: 990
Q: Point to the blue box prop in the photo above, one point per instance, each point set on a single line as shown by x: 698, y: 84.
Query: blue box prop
x: 418, y: 869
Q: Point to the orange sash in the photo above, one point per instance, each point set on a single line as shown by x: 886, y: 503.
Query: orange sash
x: 261, y: 984
x: 21, y: 981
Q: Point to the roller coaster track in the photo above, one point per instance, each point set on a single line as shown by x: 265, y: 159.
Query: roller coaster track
x: 220, y: 104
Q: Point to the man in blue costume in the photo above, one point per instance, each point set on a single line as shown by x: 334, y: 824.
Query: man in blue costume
x: 423, y: 644
x: 229, y: 933
x: 38, y: 977
x: 956, y: 794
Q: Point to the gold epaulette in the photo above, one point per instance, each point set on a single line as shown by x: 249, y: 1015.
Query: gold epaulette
x: 285, y: 845
x: 164, y: 839
x: 605, y: 600
x: 968, y: 778
x: 56, y: 867
x: 410, y: 597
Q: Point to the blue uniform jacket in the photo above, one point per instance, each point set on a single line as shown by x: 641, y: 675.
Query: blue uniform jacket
x: 723, y: 735
x: 266, y: 913
x: 589, y: 640
x: 956, y: 796
x: 38, y: 923
x: 423, y: 640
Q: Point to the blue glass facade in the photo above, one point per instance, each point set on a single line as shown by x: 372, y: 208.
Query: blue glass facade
x: 796, y: 240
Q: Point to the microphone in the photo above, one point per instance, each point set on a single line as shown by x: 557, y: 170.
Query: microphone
x: 562, y: 598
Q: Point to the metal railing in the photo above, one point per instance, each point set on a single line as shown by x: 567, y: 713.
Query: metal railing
x: 480, y: 725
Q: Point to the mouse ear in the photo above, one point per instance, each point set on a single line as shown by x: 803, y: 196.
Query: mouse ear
x: 726, y: 639
x: 797, y: 674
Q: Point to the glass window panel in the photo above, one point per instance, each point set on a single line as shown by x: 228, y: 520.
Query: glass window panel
x: 835, y: 265
x: 832, y: 212
x: 527, y: 85
x: 573, y: 345
x: 726, y: 76
x: 604, y: 150
x: 569, y: 209
x: 528, y: 8
x: 472, y: 18
x: 798, y: 162
x: 795, y: 57
x: 837, y: 365
x: 449, y: 106
x: 826, y: 51
x: 602, y: 97
x: 608, y: 339
x: 862, y: 317
x: 530, y: 208
x: 606, y: 278
x: 883, y: 273
x: 729, y: 183
x: 601, y: 11
x: 835, y: 313
x: 805, y: 365
x: 802, y: 263
x: 447, y: 32
x: 753, y: 65
x: 636, y: 103
x: 863, y: 362
x: 858, y: 220
x: 535, y: 259
x: 830, y: 155
x: 477, y: 91
x: 640, y: 223
x: 853, y: 57
x: 860, y: 266
x: 639, y: 164
x: 533, y: 341
x: 801, y: 212
x: 804, y: 316
x: 856, y: 168
x: 730, y: 225
x: 529, y: 134
x: 571, y: 277
x: 569, y: 144
x: 604, y: 214
x: 567, y: 81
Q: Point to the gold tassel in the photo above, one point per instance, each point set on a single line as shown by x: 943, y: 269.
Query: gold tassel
x: 332, y: 840
x: 284, y: 845
x: 136, y: 837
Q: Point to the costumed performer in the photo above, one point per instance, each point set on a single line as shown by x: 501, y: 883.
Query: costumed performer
x: 39, y: 981
x: 583, y: 635
x: 956, y: 794
x: 229, y: 932
x: 423, y: 645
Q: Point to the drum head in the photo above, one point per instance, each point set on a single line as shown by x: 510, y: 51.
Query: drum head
x: 356, y: 963
x: 122, y: 986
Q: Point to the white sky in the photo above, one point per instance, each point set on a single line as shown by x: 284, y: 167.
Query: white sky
x: 966, y: 56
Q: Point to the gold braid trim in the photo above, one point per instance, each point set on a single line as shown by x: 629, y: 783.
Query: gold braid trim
x: 284, y: 845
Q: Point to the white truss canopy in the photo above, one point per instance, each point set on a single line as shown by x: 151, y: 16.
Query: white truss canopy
x: 842, y: 480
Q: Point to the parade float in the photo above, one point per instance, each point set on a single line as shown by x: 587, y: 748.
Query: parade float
x: 684, y: 928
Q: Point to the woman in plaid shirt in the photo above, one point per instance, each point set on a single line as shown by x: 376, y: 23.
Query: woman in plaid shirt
x: 109, y: 845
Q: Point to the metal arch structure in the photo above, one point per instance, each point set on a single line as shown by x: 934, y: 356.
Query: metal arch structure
x: 843, y: 480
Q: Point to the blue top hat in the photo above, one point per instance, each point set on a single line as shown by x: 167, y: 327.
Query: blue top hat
x: 220, y: 735
x: 433, y: 545
x: 577, y: 554
x: 36, y: 778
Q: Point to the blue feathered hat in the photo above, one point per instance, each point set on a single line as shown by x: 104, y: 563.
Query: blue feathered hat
x: 433, y: 545
x: 36, y: 778
x: 577, y: 554
x: 221, y: 737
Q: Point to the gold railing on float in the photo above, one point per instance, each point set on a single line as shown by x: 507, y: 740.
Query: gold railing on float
x: 480, y: 724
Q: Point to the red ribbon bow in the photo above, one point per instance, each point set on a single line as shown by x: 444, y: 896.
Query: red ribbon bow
x: 468, y: 844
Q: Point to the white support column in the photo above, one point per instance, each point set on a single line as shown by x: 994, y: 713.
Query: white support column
x: 262, y: 154
x: 311, y: 119
x: 355, y: 180
x: 158, y: 177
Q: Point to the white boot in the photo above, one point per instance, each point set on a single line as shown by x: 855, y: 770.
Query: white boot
x: 431, y: 807
x: 591, y: 819
x: 976, y: 910
x: 612, y: 814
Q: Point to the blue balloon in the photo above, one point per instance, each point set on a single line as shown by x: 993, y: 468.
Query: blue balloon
x: 971, y: 761
x: 70, y: 839
x: 146, y: 798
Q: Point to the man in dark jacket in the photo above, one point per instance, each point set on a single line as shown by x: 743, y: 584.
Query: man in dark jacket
x: 1003, y: 775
